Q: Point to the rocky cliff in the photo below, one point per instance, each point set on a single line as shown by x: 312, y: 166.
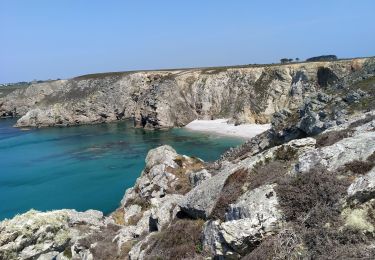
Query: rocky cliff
x: 308, y: 198
x: 305, y: 189
x: 159, y: 99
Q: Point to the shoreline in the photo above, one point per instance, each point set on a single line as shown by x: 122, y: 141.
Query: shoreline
x: 222, y: 127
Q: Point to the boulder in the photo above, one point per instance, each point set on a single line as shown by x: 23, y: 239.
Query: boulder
x: 200, y: 201
x: 162, y: 211
x: 363, y: 188
x: 198, y: 177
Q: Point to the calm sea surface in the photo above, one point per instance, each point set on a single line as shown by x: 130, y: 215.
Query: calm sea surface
x: 84, y: 167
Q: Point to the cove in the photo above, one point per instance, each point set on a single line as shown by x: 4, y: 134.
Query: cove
x: 85, y: 167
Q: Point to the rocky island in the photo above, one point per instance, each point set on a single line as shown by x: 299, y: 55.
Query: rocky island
x: 304, y: 189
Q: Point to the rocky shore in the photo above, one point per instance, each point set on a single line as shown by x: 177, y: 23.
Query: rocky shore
x: 304, y: 189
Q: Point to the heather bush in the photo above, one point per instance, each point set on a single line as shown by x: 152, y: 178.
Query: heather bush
x: 332, y: 137
x: 232, y: 189
x: 181, y: 240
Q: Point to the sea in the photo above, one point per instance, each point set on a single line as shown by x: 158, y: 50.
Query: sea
x: 85, y: 167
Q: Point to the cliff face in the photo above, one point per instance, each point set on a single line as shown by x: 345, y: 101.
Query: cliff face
x: 160, y: 99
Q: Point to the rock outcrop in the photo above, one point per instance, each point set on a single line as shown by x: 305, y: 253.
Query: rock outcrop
x: 162, y: 99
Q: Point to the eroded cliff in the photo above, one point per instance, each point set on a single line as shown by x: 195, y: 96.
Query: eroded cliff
x: 160, y: 99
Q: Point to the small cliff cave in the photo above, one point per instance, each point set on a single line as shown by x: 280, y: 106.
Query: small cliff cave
x: 326, y: 77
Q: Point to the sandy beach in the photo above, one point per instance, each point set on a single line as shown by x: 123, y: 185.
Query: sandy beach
x: 221, y: 126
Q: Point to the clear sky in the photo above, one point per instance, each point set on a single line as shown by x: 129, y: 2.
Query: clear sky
x: 41, y: 39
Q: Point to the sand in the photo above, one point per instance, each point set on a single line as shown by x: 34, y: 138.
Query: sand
x: 221, y: 126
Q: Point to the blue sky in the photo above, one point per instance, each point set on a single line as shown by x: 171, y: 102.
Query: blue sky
x: 43, y: 39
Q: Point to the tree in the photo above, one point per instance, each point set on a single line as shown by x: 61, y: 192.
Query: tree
x: 284, y: 60
x: 290, y: 60
x: 297, y: 59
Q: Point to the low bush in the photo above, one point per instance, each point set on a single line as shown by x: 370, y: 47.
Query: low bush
x: 181, y: 240
x: 306, y: 191
x: 359, y: 167
x: 105, y: 248
x: 311, y: 204
x: 285, y: 245
x: 332, y: 137
x: 232, y: 189
x: 362, y: 121
x: 140, y: 201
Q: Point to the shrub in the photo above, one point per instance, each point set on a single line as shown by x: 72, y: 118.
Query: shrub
x: 362, y: 121
x: 311, y: 203
x: 304, y: 192
x: 285, y: 153
x: 232, y: 189
x: 104, y: 247
x: 138, y: 200
x: 359, y: 167
x: 181, y: 240
x: 285, y: 245
x: 186, y: 165
x: 267, y: 173
x: 332, y: 137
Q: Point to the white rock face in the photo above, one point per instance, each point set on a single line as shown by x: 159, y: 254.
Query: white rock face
x: 363, y: 188
x: 248, y: 221
x: 357, y: 147
x: 260, y: 203
x: 42, y: 234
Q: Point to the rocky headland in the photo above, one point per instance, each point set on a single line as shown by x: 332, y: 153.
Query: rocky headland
x: 163, y: 99
x: 304, y: 189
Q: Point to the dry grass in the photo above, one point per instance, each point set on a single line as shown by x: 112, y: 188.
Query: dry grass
x: 133, y: 220
x: 138, y: 200
x: 105, y: 248
x: 118, y: 216
x: 181, y: 240
x: 186, y: 165
x: 286, y: 245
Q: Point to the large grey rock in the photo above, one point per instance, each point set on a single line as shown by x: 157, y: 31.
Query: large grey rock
x: 255, y: 215
x: 161, y: 155
x: 357, y: 147
x: 198, y: 177
x: 363, y: 188
x: 162, y: 211
x: 200, y: 201
x: 214, y: 242
x: 260, y: 203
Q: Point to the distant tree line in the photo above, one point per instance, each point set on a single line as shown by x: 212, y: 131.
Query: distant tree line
x: 317, y: 58
x: 323, y: 58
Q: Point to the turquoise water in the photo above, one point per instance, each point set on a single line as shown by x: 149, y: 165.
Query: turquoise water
x: 84, y: 167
